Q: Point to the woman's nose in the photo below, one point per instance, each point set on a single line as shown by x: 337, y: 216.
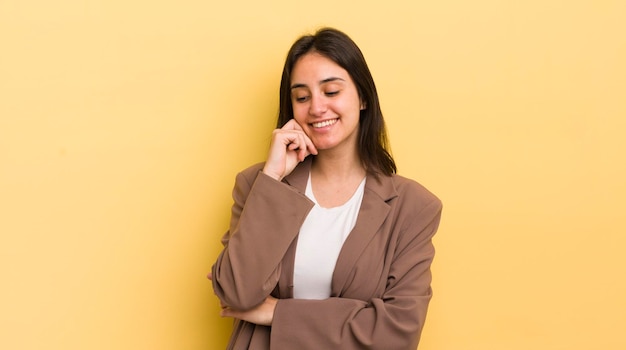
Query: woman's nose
x: 318, y: 106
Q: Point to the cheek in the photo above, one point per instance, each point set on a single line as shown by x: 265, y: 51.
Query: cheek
x: 349, y: 104
x: 299, y: 112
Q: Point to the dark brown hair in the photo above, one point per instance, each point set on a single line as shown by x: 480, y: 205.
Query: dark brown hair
x: 373, y: 145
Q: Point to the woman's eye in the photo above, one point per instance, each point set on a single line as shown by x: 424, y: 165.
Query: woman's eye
x: 301, y: 98
x: 332, y: 93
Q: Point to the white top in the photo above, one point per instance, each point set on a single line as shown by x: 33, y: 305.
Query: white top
x: 320, y: 240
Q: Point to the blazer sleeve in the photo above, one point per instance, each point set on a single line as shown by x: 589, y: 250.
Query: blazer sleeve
x: 266, y: 217
x: 393, y: 321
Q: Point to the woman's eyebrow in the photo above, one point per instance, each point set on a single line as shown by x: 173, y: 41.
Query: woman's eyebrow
x: 324, y: 81
x: 331, y: 79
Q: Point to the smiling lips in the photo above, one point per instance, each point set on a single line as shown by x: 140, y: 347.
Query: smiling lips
x: 324, y: 123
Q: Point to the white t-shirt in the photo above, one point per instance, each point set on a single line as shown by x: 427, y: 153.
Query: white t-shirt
x: 320, y: 240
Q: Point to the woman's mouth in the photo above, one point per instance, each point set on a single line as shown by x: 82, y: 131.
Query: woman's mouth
x: 324, y: 123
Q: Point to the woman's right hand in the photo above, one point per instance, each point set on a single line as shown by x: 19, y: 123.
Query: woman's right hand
x: 289, y: 146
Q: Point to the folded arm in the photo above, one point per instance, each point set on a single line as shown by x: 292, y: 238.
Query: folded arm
x: 266, y: 217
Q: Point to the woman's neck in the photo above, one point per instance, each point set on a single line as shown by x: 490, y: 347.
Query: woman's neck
x: 335, y: 178
x: 337, y: 167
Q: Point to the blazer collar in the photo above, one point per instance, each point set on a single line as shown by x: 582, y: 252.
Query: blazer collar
x: 383, y: 187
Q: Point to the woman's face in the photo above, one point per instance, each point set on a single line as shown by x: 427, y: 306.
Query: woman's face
x: 325, y: 102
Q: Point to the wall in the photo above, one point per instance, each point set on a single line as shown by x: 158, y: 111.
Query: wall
x: 122, y: 125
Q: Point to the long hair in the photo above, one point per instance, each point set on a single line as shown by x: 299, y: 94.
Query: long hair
x: 373, y: 145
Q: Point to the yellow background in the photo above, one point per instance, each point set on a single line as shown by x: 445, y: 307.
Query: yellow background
x: 123, y: 124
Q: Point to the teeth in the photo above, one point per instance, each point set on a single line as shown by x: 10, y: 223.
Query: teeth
x: 324, y: 123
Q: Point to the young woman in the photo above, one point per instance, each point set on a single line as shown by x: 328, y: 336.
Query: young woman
x: 327, y: 248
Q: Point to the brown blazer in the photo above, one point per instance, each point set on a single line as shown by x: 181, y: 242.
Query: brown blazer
x: 381, y: 283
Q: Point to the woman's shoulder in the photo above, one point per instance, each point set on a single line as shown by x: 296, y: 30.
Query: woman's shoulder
x: 252, y: 171
x: 246, y: 177
x: 411, y: 190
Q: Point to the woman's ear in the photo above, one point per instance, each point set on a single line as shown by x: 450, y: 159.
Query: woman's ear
x: 363, y: 105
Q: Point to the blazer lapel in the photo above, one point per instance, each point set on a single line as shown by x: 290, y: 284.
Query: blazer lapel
x: 300, y: 175
x: 373, y: 212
